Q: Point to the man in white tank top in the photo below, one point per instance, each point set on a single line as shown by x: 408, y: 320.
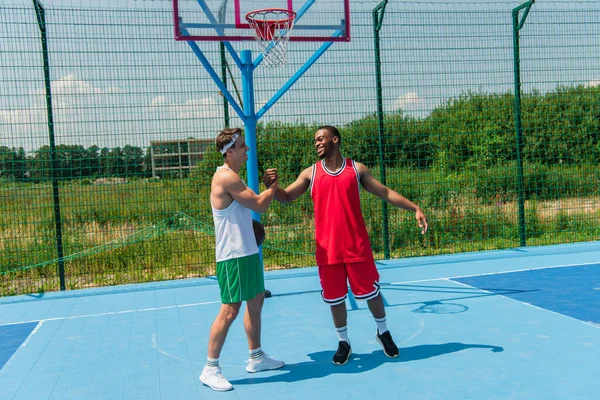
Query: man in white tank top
x: 239, y: 268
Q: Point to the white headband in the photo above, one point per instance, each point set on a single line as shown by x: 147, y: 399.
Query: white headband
x: 228, y: 145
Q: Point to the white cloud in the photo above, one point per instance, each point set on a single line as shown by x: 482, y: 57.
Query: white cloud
x: 23, y: 116
x: 191, y: 109
x: 72, y: 85
x: 71, y: 98
x: 592, y: 83
x: 202, y: 108
x: 158, y: 101
x: 408, y: 100
x: 24, y: 127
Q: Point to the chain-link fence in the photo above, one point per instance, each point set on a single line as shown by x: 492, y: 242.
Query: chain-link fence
x: 106, y: 154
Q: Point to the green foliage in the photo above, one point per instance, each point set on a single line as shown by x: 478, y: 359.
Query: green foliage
x: 201, y: 176
x: 475, y: 130
x: 13, y: 163
x: 287, y: 147
x: 75, y: 162
x: 465, y: 214
x: 533, y: 223
x: 563, y: 126
x: 458, y: 164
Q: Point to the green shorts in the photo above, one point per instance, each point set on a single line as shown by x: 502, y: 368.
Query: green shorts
x: 240, y: 279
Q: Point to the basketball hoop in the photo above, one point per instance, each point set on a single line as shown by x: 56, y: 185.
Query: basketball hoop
x: 272, y: 28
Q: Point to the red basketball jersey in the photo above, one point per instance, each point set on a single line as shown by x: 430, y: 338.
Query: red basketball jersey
x: 340, y: 230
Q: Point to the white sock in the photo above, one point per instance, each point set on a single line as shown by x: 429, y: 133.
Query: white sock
x: 343, y: 333
x: 381, y: 325
x: 212, y: 362
x: 256, y: 354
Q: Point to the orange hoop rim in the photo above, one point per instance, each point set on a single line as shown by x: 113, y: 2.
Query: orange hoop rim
x: 250, y: 17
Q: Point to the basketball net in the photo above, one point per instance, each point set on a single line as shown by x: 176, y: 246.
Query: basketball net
x: 272, y: 28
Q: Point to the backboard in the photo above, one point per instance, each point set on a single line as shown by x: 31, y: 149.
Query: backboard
x: 225, y: 20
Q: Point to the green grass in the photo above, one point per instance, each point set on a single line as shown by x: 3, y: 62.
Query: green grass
x: 148, y: 230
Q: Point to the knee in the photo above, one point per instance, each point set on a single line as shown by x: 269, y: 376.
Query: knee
x: 256, y: 302
x: 230, y: 312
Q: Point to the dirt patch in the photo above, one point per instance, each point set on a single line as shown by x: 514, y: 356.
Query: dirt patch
x: 549, y: 209
x: 108, y: 181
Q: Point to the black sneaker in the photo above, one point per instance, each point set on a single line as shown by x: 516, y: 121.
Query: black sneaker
x: 389, y: 347
x: 342, y: 354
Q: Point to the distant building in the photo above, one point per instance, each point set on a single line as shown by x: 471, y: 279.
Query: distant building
x: 177, y: 155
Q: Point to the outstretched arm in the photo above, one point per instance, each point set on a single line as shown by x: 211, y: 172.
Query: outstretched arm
x: 233, y: 185
x: 372, y: 185
x: 292, y: 192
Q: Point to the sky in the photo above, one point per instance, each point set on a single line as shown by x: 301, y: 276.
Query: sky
x: 118, y: 77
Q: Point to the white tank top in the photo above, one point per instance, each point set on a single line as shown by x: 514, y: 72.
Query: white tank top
x: 233, y: 231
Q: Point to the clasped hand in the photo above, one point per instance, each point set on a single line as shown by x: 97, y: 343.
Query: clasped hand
x: 270, y: 177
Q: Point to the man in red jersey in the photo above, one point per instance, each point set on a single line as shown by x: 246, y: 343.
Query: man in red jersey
x: 343, y: 251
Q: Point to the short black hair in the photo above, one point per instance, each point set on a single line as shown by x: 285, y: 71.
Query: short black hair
x: 333, y: 131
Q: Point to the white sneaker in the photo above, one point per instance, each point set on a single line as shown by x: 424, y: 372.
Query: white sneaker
x: 264, y: 363
x: 214, y: 379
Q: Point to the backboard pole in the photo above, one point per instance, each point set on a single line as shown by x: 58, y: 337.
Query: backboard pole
x: 250, y: 122
x: 247, y: 71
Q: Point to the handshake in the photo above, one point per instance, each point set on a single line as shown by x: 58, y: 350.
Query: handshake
x: 270, y: 178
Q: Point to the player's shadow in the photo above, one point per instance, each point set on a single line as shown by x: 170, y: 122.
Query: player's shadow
x: 321, y: 366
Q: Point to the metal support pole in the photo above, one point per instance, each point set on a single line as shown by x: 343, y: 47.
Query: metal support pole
x: 250, y: 131
x: 517, y: 25
x: 41, y: 18
x: 250, y: 122
x: 378, y: 13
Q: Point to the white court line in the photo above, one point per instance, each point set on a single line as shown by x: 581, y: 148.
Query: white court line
x: 529, y: 304
x: 215, y: 302
x: 112, y: 313
x: 169, y: 355
x: 33, y: 332
x: 417, y: 333
x: 493, y: 273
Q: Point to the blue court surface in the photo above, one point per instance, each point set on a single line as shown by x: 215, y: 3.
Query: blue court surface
x: 513, y: 324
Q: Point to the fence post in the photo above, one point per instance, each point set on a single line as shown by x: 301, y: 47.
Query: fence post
x: 221, y: 16
x: 41, y: 18
x: 377, y: 22
x: 224, y: 79
x: 517, y: 25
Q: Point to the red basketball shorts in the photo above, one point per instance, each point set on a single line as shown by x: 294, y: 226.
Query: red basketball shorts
x: 362, y: 276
